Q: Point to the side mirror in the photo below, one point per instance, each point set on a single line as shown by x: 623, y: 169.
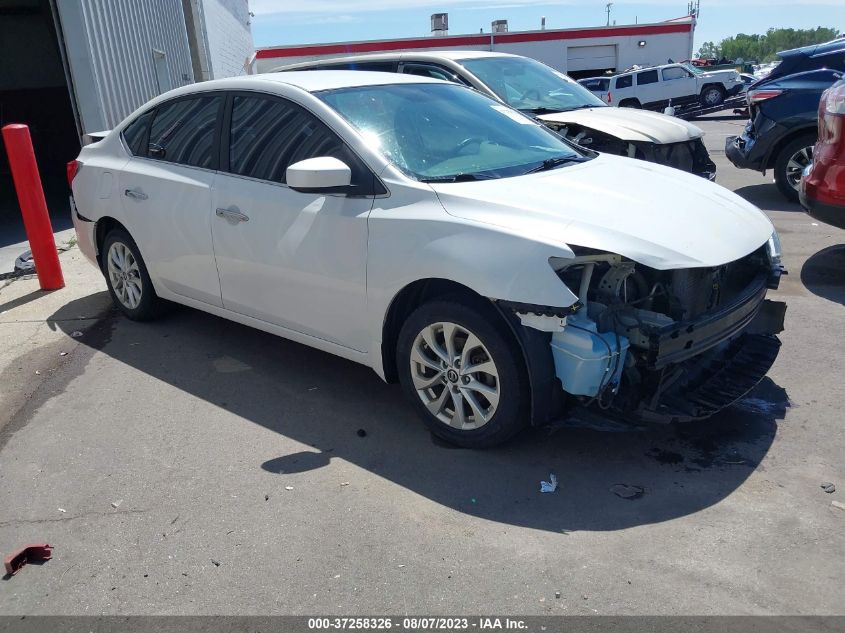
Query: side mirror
x: 323, y: 174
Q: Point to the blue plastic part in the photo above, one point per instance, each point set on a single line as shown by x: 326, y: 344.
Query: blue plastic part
x: 586, y: 360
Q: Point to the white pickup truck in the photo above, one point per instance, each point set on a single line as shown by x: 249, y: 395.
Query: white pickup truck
x: 654, y: 87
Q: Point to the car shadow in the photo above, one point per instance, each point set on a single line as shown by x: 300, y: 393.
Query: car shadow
x: 344, y: 411
x: 823, y: 274
x: 767, y: 196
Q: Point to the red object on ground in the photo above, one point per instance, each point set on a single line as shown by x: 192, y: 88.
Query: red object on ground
x: 28, y: 554
x: 36, y: 220
x: 822, y: 190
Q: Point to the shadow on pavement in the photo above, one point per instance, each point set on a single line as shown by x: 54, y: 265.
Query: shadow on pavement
x: 767, y: 196
x: 823, y: 274
x: 344, y: 411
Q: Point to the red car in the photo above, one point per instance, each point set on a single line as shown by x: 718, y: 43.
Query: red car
x: 822, y: 191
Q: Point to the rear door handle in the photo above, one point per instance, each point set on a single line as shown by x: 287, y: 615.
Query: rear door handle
x: 135, y: 194
x: 232, y: 215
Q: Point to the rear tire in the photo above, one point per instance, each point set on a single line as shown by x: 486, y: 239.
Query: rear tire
x: 791, y: 160
x: 712, y: 96
x: 127, y: 278
x: 630, y: 103
x: 463, y: 373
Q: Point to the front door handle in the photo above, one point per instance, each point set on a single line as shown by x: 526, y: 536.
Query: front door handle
x: 232, y: 215
x: 135, y: 193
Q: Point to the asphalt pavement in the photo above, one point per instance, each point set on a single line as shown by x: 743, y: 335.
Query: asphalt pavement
x: 196, y: 466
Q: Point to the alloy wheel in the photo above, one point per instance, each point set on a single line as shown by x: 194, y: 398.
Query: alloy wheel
x: 796, y: 164
x: 455, y: 376
x: 124, y: 275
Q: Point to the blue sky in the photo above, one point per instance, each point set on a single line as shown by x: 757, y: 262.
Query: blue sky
x: 281, y: 22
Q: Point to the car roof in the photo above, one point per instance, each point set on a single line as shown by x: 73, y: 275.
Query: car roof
x: 834, y: 46
x: 400, y: 55
x: 308, y: 80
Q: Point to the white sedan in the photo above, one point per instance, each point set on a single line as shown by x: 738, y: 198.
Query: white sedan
x: 503, y: 275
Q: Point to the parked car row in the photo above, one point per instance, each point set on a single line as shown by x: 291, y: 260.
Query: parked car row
x: 656, y: 86
x: 783, y: 108
x: 503, y: 274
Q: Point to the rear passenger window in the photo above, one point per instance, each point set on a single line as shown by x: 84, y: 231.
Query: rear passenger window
x: 648, y: 77
x: 134, y: 133
x: 626, y: 81
x: 183, y: 131
x: 267, y: 135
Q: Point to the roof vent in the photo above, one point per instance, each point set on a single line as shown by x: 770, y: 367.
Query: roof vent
x: 439, y: 23
x: 500, y: 26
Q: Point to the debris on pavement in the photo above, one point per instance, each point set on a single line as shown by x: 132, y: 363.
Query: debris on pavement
x: 838, y: 504
x: 116, y: 504
x: 216, y: 563
x: 35, y: 553
x: 627, y: 492
x: 62, y: 510
x: 288, y: 487
x: 62, y: 353
x: 344, y: 483
x: 828, y: 487
x: 362, y: 433
x: 266, y: 497
x: 549, y: 486
x: 37, y: 373
x: 557, y: 595
x: 76, y: 334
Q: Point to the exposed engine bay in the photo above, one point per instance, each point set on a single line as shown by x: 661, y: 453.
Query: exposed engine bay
x: 663, y: 345
x: 690, y: 156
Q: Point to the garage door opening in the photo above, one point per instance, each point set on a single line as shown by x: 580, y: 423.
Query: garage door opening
x: 590, y: 61
x: 34, y: 91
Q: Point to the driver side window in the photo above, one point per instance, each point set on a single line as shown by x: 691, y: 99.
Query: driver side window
x: 674, y: 72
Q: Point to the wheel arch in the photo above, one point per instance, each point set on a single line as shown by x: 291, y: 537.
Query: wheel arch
x: 784, y: 140
x: 102, y: 228
x: 545, y: 394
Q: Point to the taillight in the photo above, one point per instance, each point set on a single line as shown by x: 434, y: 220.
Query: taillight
x: 72, y: 169
x: 609, y: 98
x: 756, y: 96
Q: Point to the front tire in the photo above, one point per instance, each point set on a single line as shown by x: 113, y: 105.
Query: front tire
x: 463, y: 373
x: 790, y: 163
x: 630, y: 103
x: 712, y: 96
x: 127, y: 278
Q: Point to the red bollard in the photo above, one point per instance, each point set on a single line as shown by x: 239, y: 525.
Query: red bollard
x: 36, y: 220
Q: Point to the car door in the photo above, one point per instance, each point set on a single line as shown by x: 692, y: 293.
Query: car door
x: 297, y: 260
x: 678, y: 82
x: 648, y: 87
x: 166, y: 194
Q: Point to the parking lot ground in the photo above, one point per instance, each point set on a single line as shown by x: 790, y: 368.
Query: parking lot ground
x: 195, y: 466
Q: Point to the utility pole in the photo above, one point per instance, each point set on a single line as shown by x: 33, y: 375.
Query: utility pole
x: 607, y: 9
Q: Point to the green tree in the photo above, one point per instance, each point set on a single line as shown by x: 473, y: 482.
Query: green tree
x: 764, y: 48
x: 709, y: 50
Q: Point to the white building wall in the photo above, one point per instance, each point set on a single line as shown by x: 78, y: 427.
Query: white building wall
x: 658, y: 48
x: 228, y: 36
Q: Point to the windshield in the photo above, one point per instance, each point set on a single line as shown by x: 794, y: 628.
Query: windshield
x: 527, y: 84
x: 693, y: 69
x: 435, y: 131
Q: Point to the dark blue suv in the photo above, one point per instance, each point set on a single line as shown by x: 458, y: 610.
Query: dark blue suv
x: 783, y: 107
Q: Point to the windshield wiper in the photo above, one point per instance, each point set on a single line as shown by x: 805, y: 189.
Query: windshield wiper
x: 542, y: 110
x: 557, y: 161
x: 466, y: 177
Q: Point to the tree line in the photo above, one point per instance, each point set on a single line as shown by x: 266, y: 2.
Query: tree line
x: 764, y: 48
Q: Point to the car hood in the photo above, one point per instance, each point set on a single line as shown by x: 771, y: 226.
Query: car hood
x: 629, y: 124
x: 654, y: 215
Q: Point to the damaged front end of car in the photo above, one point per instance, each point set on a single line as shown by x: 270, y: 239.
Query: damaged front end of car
x: 688, y: 155
x: 662, y: 345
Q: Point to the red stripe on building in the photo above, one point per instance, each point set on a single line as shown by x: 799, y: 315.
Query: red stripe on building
x: 469, y: 40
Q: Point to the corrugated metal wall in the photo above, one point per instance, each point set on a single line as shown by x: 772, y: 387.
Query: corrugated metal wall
x: 111, y: 46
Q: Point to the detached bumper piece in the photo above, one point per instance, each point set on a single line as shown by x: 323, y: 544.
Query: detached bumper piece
x: 37, y: 553
x: 734, y: 376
